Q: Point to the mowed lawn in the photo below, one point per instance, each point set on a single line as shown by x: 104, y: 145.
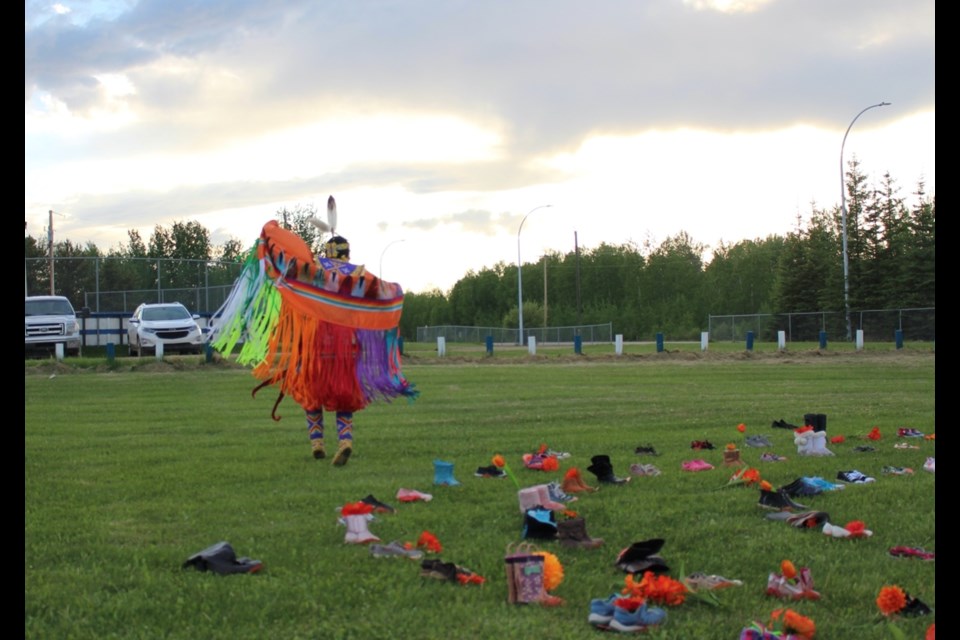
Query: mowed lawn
x: 130, y: 470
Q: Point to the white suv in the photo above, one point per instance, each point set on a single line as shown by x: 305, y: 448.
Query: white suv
x: 49, y: 321
x: 169, y: 324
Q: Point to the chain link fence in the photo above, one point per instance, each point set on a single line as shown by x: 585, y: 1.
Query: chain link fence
x: 878, y: 325
x: 589, y: 333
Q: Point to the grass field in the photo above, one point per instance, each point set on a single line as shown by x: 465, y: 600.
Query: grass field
x: 131, y: 467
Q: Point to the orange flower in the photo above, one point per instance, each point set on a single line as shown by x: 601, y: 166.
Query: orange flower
x: 630, y: 603
x: 750, y: 476
x: 837, y: 440
x: 788, y: 570
x: 891, y: 600
x: 550, y: 463
x: 765, y: 486
x: 930, y: 436
x: 931, y: 632
x: 874, y: 434
x: 429, y: 541
x: 661, y: 589
x: 731, y: 446
x: 552, y: 570
x: 856, y: 528
x: 800, y: 626
x: 498, y: 461
x: 741, y: 427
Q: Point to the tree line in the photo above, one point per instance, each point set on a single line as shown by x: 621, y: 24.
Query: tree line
x: 641, y: 290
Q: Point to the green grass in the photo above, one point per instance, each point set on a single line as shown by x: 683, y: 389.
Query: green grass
x: 130, y: 470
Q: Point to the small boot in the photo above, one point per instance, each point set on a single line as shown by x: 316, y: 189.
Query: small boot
x: 731, y: 458
x: 443, y: 473
x: 810, y: 420
x: 357, y: 531
x: 603, y: 469
x: 529, y: 498
x: 804, y: 442
x: 573, y: 482
x: 818, y: 445
x: 573, y: 533
x: 821, y: 422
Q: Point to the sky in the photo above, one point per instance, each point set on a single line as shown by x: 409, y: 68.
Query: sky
x: 456, y: 134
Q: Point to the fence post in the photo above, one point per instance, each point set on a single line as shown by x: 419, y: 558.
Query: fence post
x: 532, y: 345
x: 898, y: 338
x: 749, y: 340
x: 859, y: 339
x: 823, y: 339
x: 659, y: 343
x: 111, y: 352
x: 578, y: 345
x: 618, y: 344
x: 441, y: 346
x: 781, y: 340
x: 704, y: 340
x: 489, y: 345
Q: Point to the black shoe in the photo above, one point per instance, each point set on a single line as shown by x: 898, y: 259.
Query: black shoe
x: 915, y: 608
x: 434, y: 568
x: 378, y: 507
x: 221, y: 558
x: 647, y: 450
x: 778, y: 501
x: 800, y: 487
x: 490, y: 472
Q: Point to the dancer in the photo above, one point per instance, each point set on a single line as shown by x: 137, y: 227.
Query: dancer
x: 322, y: 330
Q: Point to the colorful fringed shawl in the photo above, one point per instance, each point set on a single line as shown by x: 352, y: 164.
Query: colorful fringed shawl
x: 323, y: 331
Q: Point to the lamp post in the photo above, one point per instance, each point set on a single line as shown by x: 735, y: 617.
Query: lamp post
x: 843, y: 220
x: 380, y: 272
x: 520, y: 271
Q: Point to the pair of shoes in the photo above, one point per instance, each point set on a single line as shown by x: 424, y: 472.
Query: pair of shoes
x: 641, y: 618
x: 778, y: 501
x: 853, y: 529
x: 702, y: 444
x: 798, y: 588
x: 490, y: 472
x: 897, y: 471
x: 904, y: 445
x: 912, y: 552
x: 378, y: 507
x: 647, y: 450
x: 696, y: 465
x: 758, y: 441
x: 930, y: 465
x: 863, y: 448
x: 906, y: 432
x: 769, y: 456
x: 700, y: 581
x: 638, y: 469
x: 394, y: 549
x: 854, y: 477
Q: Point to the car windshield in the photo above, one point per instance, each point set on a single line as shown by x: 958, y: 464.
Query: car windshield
x: 165, y: 313
x: 47, y: 308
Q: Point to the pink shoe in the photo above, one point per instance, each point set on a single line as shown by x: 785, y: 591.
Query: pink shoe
x: 412, y: 495
x: 780, y: 587
x: 696, y: 465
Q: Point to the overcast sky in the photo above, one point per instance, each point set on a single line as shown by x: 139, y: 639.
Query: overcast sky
x: 439, y: 124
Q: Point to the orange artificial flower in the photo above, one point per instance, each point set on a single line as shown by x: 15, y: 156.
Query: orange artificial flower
x: 856, y: 528
x: 731, y: 446
x: 803, y: 429
x: 552, y: 570
x: 794, y: 623
x: 429, y: 541
x: 750, y: 476
x: 498, y: 461
x: 661, y: 589
x: 930, y: 436
x: 630, y: 603
x: 569, y: 513
x: 874, y: 433
x: 550, y: 463
x: 837, y: 440
x: 741, y: 427
x: 765, y: 486
x: 788, y: 570
x: 931, y: 632
x: 891, y: 600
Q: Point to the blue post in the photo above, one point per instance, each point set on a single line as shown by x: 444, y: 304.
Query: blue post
x: 749, y: 340
x: 111, y: 352
x: 823, y: 339
x: 659, y: 343
x: 577, y: 345
x: 489, y: 345
x: 898, y: 338
x: 208, y: 353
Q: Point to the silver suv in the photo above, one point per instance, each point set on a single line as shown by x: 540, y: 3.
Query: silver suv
x: 49, y: 321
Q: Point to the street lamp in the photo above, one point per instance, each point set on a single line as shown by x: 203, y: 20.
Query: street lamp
x: 520, y: 271
x: 843, y: 219
x: 380, y: 272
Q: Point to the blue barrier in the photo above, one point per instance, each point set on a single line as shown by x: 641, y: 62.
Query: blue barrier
x: 659, y: 343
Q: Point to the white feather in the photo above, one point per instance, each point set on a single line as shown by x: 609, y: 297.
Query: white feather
x: 319, y: 224
x: 332, y: 213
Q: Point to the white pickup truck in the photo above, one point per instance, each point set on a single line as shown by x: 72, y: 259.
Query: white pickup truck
x: 48, y: 321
